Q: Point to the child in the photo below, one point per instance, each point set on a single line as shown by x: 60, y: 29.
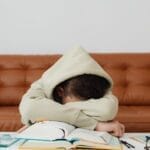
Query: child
x: 75, y: 90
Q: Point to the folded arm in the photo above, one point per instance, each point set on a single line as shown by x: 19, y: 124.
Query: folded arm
x: 36, y: 106
x: 102, y: 109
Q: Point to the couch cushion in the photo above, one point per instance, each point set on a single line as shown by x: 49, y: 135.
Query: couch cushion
x: 135, y: 118
x: 9, y: 119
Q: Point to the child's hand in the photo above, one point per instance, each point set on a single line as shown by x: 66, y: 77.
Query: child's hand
x: 114, y: 127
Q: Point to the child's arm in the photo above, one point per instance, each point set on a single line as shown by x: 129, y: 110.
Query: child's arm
x: 35, y: 106
x: 102, y: 109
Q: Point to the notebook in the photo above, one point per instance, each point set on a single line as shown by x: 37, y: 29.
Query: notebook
x: 7, y: 139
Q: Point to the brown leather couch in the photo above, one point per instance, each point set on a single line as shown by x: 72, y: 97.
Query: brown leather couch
x: 130, y: 72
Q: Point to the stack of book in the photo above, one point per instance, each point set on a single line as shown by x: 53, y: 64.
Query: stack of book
x: 49, y: 135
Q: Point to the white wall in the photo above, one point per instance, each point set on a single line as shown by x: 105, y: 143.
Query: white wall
x: 52, y: 26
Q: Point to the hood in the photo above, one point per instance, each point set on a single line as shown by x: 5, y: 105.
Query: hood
x: 73, y: 63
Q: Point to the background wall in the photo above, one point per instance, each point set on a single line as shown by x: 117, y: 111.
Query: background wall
x: 52, y: 26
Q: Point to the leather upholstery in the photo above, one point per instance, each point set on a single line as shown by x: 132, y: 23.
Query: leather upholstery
x: 130, y: 72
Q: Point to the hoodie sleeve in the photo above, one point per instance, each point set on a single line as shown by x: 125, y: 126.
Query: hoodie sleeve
x: 36, y: 106
x: 103, y: 109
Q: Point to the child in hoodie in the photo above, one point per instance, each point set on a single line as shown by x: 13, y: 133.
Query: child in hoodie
x: 52, y: 97
x: 84, y: 87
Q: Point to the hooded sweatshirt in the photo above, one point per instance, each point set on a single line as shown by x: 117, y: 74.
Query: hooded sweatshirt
x: 38, y: 104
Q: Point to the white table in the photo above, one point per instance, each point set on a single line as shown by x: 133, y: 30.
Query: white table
x: 138, y: 145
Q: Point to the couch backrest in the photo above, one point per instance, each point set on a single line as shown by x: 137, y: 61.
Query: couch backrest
x: 130, y: 72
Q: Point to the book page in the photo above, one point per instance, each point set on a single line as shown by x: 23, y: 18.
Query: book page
x: 33, y: 144
x: 94, y: 146
x: 95, y: 137
x: 87, y: 135
x: 61, y: 125
x: 46, y: 130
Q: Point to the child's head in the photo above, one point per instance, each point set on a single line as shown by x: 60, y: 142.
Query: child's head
x: 81, y: 87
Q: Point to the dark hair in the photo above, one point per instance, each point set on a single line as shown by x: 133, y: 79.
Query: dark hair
x: 84, y: 86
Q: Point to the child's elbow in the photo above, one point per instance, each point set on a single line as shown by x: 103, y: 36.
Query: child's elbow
x: 25, y: 117
x: 26, y: 111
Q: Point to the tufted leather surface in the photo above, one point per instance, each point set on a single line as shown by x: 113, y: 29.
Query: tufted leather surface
x: 130, y: 72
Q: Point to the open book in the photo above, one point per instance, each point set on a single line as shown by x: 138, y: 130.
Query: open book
x: 58, y: 134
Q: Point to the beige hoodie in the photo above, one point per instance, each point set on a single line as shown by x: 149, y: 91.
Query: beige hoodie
x: 38, y: 103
